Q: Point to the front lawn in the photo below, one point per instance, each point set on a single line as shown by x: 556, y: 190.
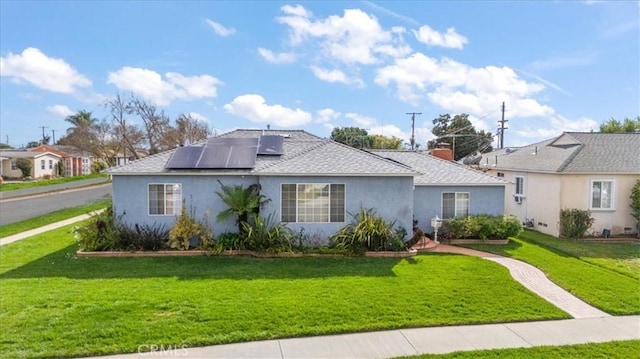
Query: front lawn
x: 40, y: 183
x: 604, y: 275
x: 610, y: 350
x: 54, y: 304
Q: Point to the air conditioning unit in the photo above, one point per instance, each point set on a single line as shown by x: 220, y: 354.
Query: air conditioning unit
x: 517, y: 199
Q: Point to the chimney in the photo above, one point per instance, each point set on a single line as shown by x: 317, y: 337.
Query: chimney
x: 442, y: 151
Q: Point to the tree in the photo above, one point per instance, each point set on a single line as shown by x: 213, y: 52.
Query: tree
x: 5, y: 146
x: 81, y: 134
x: 635, y: 205
x: 351, y: 136
x: 127, y: 135
x: 190, y: 130
x: 24, y: 165
x: 387, y: 143
x: 155, y: 123
x: 460, y: 133
x: 241, y: 202
x: 626, y: 126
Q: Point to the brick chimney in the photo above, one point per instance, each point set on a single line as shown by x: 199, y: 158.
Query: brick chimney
x: 442, y: 151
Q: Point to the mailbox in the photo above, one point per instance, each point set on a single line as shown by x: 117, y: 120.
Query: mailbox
x: 436, y: 223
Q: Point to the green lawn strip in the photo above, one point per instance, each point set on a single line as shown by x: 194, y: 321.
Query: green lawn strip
x: 54, y: 304
x: 40, y: 183
x: 18, y: 227
x: 621, y: 257
x: 611, y: 350
x: 609, y: 290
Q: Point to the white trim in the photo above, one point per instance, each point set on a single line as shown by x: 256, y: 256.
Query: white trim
x: 329, y: 204
x: 455, y: 203
x: 612, y: 195
x: 176, y: 209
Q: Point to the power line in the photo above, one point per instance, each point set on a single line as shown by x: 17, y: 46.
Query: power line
x: 413, y: 128
x: 501, y: 129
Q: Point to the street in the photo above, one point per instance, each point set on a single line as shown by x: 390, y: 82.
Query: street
x: 15, y: 210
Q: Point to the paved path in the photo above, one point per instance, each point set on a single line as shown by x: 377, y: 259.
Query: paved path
x: 533, y: 278
x: 49, y: 227
x: 53, y: 188
x: 402, y: 342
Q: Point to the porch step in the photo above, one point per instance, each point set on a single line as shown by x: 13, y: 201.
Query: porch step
x: 425, y: 245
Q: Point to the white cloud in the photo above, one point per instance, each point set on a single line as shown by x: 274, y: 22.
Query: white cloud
x: 198, y: 117
x: 219, y: 28
x: 175, y: 86
x: 60, y: 110
x: 553, y: 126
x: 254, y: 108
x: 450, y: 39
x: 280, y: 58
x: 457, y: 87
x: 392, y: 13
x: 335, y: 75
x: 565, y: 60
x: 361, y: 120
x: 326, y: 115
x: 297, y: 10
x: 48, y: 73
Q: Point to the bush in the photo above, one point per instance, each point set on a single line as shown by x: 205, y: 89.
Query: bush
x: 98, y: 166
x: 483, y: 226
x: 188, y: 233
x: 99, y: 233
x: 24, y: 165
x: 368, y: 232
x: 46, y: 177
x: 142, y: 237
x: 231, y: 240
x: 574, y: 223
x: 60, y: 169
x: 267, y: 235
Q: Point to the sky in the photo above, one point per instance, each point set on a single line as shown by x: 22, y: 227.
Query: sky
x: 557, y: 65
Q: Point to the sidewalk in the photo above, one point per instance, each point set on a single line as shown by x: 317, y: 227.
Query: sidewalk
x: 49, y: 227
x: 53, y: 188
x: 402, y: 342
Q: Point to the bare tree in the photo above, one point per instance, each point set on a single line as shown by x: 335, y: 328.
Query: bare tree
x: 119, y: 109
x: 191, y: 130
x: 155, y: 122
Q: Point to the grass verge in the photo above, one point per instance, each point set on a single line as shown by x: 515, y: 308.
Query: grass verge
x: 602, y: 275
x: 14, y: 228
x: 54, y: 304
x: 610, y: 350
x: 40, y: 183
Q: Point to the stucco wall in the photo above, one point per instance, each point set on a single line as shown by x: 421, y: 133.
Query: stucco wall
x: 428, y: 202
x: 8, y: 172
x: 392, y: 197
x: 37, y: 169
x: 130, y: 196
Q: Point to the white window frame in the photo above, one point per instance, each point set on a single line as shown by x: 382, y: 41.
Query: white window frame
x: 456, y: 204
x: 50, y: 164
x: 42, y: 165
x: 14, y: 165
x: 330, y: 214
x: 177, y: 202
x: 518, y: 192
x: 612, y: 196
x: 85, y: 166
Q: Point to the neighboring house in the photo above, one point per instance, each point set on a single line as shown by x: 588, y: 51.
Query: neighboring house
x: 76, y: 161
x: 448, y: 189
x: 311, y: 183
x: 587, y: 171
x: 120, y: 158
x: 42, y: 163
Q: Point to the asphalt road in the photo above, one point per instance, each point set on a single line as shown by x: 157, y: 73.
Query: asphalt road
x: 15, y: 210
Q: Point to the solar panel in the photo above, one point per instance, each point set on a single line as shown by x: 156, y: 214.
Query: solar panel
x: 185, y: 157
x: 270, y: 145
x: 229, y: 141
x: 214, y: 156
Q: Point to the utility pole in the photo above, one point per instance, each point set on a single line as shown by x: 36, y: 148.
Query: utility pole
x: 43, y: 127
x: 501, y: 129
x: 413, y: 128
x: 54, y: 137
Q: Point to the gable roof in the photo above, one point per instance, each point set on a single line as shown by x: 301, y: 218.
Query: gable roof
x: 572, y: 152
x: 438, y: 172
x: 62, y: 150
x: 11, y: 154
x: 304, y: 154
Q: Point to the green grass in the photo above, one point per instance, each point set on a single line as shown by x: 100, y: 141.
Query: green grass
x: 60, y: 215
x: 54, y: 304
x: 603, y: 275
x: 40, y: 183
x: 611, y: 350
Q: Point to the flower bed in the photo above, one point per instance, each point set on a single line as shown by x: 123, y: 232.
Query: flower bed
x: 237, y: 252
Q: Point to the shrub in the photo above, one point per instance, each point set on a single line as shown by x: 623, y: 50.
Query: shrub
x: 142, y: 237
x: 189, y: 233
x: 99, y: 233
x: 24, y: 165
x: 368, y: 232
x: 574, y: 223
x: 635, y: 205
x: 98, y: 166
x: 60, y: 169
x: 483, y: 226
x: 267, y: 235
x: 231, y: 240
x: 46, y: 177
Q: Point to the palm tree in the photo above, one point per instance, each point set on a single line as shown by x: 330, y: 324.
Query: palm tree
x: 82, y: 133
x: 241, y: 201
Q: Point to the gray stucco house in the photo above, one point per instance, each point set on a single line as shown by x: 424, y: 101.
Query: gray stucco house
x: 312, y: 183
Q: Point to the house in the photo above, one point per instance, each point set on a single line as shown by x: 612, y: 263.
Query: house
x: 447, y: 189
x: 42, y: 163
x: 76, y: 162
x: 312, y: 184
x: 576, y: 170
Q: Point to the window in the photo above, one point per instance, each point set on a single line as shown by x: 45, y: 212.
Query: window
x: 519, y: 186
x: 165, y: 199
x: 14, y: 166
x: 50, y: 164
x: 85, y: 166
x: 41, y: 164
x: 455, y: 204
x: 602, y: 194
x: 500, y: 174
x: 312, y: 202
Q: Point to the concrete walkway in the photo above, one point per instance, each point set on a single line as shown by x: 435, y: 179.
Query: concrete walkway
x: 402, y: 342
x: 49, y: 227
x: 533, y: 278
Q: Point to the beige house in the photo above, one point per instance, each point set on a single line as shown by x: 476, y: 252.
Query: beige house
x: 76, y: 162
x: 42, y: 163
x: 588, y: 171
